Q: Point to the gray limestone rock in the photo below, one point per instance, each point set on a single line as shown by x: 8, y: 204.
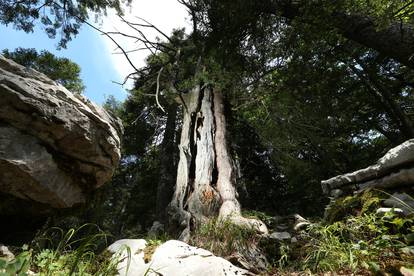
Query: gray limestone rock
x: 394, y: 169
x: 383, y: 210
x: 173, y: 258
x: 5, y: 253
x: 55, y: 146
x: 280, y: 236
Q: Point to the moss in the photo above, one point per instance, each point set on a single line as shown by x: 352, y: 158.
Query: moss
x: 148, y: 252
x: 365, y: 202
x: 103, y: 259
x: 370, y: 205
x: 339, y: 208
x: 153, y: 242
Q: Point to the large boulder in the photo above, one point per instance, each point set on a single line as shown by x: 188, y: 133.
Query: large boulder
x: 55, y: 146
x: 393, y: 170
x: 173, y: 258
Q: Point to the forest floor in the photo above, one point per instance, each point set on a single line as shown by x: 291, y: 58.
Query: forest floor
x: 352, y: 239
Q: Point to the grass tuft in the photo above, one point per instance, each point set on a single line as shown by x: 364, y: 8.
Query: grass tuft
x: 223, y: 238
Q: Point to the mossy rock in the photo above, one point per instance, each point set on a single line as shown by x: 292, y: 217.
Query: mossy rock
x: 149, y: 251
x: 364, y: 202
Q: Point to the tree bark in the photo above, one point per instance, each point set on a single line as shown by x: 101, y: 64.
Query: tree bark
x: 205, y: 185
x: 194, y: 197
x: 395, y: 41
x: 226, y: 182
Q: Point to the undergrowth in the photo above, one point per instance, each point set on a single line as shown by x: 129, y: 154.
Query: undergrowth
x: 222, y: 237
x: 368, y: 242
x: 363, y: 243
x: 59, y: 253
x: 360, y: 243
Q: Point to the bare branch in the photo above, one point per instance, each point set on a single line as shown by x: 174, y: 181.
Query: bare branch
x: 103, y: 33
x: 158, y: 90
x: 154, y: 44
x: 130, y: 51
x: 149, y: 25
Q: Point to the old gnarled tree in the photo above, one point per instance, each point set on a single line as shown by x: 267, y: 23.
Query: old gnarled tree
x: 205, y: 184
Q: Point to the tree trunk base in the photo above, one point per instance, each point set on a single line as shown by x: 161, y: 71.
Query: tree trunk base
x: 250, y: 223
x: 205, y: 184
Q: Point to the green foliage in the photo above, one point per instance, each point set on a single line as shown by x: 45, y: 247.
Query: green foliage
x: 355, y: 244
x: 113, y: 105
x: 383, y: 11
x: 61, y: 70
x: 73, y: 253
x: 56, y: 252
x: 365, y: 202
x: 318, y: 117
x: 18, y: 266
x: 59, y: 16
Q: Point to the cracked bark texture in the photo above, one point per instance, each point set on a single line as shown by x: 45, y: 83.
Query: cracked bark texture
x: 205, y: 185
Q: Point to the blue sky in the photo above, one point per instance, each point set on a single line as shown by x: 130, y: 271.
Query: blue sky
x: 94, y: 53
x: 88, y: 50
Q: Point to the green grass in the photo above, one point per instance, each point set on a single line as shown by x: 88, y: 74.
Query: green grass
x: 223, y: 238
x: 358, y: 243
x: 60, y: 253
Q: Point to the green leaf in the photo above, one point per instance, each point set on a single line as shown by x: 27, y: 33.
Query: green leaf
x: 399, y: 222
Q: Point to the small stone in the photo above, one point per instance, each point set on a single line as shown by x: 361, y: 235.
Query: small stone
x: 301, y: 225
x: 281, y: 236
x: 5, y: 253
x: 282, y: 227
x: 299, y: 218
x: 383, y: 210
x: 406, y: 271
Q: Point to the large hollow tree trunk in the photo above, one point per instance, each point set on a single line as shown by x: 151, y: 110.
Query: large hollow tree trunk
x: 205, y: 184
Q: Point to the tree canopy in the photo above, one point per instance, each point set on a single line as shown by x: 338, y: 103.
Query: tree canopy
x: 59, y: 69
x: 59, y: 17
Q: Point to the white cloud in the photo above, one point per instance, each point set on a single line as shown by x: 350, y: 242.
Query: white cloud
x: 166, y: 15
